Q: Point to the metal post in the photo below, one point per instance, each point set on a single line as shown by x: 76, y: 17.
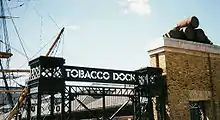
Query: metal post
x: 70, y: 99
x: 28, y: 107
x: 137, y: 106
x: 62, y: 106
x: 159, y: 108
x: 39, y: 106
x: 162, y: 107
x: 103, y: 103
x: 52, y: 104
x: 150, y: 108
x: 133, y: 105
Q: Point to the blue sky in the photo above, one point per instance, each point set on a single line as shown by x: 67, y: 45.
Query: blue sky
x: 105, y: 33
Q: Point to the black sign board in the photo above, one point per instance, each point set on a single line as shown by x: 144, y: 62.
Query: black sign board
x: 85, y: 74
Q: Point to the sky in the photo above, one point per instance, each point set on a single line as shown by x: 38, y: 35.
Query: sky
x: 113, y: 34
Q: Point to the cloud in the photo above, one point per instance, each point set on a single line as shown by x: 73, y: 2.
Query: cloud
x: 140, y: 7
x: 73, y: 27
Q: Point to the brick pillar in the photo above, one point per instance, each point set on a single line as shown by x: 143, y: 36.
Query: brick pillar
x: 193, y: 74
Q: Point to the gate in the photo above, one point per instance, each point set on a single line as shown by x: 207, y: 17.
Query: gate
x: 48, y: 92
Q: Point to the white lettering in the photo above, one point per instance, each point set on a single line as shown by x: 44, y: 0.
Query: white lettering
x: 122, y: 76
x: 128, y: 77
x: 81, y: 73
x: 92, y: 74
x: 87, y: 75
x: 68, y: 72
x: 106, y: 75
x: 98, y: 75
x: 74, y: 73
x: 132, y: 77
x: 115, y: 76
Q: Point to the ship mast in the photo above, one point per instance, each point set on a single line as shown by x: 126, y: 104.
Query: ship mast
x: 5, y: 51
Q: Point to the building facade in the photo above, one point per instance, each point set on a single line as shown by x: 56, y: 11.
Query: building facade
x: 192, y: 73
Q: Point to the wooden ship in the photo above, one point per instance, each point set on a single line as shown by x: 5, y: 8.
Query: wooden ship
x: 12, y: 96
x: 8, y: 92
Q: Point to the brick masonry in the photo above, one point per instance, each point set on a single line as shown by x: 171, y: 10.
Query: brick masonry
x: 193, y: 74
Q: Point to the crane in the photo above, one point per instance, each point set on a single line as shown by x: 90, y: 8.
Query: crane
x: 55, y: 42
x: 24, y: 92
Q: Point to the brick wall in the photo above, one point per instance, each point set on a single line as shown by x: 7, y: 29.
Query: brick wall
x: 193, y: 74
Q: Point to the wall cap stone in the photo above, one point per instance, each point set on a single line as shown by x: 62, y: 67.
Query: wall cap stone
x: 182, y: 44
x: 198, y: 95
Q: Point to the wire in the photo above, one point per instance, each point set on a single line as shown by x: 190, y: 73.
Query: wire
x: 40, y: 50
x: 41, y: 30
x: 55, y: 49
x: 19, y: 37
x: 18, y: 83
x: 41, y: 20
x: 37, y: 52
x: 13, y: 48
x: 54, y: 21
x: 26, y: 7
x: 37, y: 12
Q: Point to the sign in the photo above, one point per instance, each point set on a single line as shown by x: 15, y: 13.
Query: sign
x: 33, y: 90
x: 73, y: 73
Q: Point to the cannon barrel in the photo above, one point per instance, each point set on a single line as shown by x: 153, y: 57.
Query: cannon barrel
x: 191, y: 22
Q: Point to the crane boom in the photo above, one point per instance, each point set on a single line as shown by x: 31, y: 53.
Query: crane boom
x: 54, y: 43
x: 20, y: 102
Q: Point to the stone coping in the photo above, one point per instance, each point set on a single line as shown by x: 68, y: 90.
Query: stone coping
x: 182, y: 44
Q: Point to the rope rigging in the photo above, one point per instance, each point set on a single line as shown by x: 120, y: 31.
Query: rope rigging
x: 18, y: 35
x: 6, y: 49
x: 52, y: 51
x: 13, y: 48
